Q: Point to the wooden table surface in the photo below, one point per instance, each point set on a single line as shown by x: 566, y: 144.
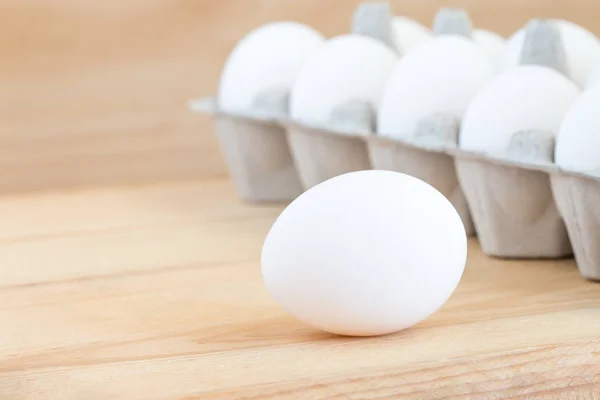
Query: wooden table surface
x: 154, y: 292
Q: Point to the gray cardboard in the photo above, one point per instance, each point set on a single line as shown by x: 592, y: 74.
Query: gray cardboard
x: 543, y: 46
x: 575, y: 194
x: 255, y: 149
x: 577, y: 199
x: 374, y: 19
x: 320, y: 154
x: 452, y: 21
x: 430, y: 165
x: 513, y: 208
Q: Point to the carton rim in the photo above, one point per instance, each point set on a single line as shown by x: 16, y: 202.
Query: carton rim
x: 210, y: 106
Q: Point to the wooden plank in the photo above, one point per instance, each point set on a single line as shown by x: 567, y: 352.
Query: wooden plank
x: 55, y: 214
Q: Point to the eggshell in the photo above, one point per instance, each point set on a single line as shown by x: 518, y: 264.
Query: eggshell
x: 346, y: 68
x: 409, y: 34
x: 442, y: 76
x: 365, y: 253
x: 491, y: 44
x: 269, y: 57
x: 582, y: 49
x: 525, y: 98
x: 578, y: 141
x: 594, y: 77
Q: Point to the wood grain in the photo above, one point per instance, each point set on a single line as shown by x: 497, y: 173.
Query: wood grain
x: 94, y: 93
x: 154, y: 293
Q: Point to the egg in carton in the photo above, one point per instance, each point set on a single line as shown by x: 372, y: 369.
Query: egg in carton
x: 253, y: 98
x: 506, y: 148
x: 333, y: 102
x: 424, y: 102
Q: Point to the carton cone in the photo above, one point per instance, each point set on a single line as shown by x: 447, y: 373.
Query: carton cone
x: 577, y: 198
x: 430, y: 164
x: 321, y: 154
x: 256, y: 150
x: 374, y: 19
x: 512, y: 205
x: 452, y: 21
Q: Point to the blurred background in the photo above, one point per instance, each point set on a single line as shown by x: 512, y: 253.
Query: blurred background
x: 95, y: 92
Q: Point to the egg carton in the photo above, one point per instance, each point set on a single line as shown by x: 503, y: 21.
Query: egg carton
x: 510, y: 200
x: 255, y: 149
x: 272, y: 157
x: 534, y: 209
x: 518, y: 201
x: 523, y: 204
x: 320, y: 153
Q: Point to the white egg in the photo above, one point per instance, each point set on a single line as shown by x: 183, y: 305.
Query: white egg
x: 442, y: 76
x: 409, y: 34
x: 582, y: 50
x: 270, y: 57
x: 578, y: 141
x: 529, y: 97
x: 491, y: 44
x: 594, y: 77
x: 346, y: 68
x: 365, y: 253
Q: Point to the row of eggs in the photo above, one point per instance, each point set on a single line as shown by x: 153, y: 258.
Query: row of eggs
x: 475, y: 76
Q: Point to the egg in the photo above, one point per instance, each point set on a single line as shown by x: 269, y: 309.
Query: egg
x: 578, y: 141
x: 491, y: 44
x: 365, y: 253
x: 409, y: 34
x: 529, y: 97
x: 348, y: 68
x: 440, y: 77
x: 594, y: 77
x: 268, y: 58
x: 582, y: 50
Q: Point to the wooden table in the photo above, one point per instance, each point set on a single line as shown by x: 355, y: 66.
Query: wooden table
x: 154, y: 292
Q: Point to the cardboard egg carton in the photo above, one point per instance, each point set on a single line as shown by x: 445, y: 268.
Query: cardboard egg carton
x: 523, y: 205
x: 323, y: 153
x: 554, y: 212
x: 255, y: 148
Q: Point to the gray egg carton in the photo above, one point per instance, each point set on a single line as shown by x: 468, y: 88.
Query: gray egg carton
x: 519, y: 203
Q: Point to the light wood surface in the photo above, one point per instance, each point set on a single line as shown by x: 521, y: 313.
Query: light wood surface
x: 154, y: 293
x: 94, y: 92
x: 113, y: 290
